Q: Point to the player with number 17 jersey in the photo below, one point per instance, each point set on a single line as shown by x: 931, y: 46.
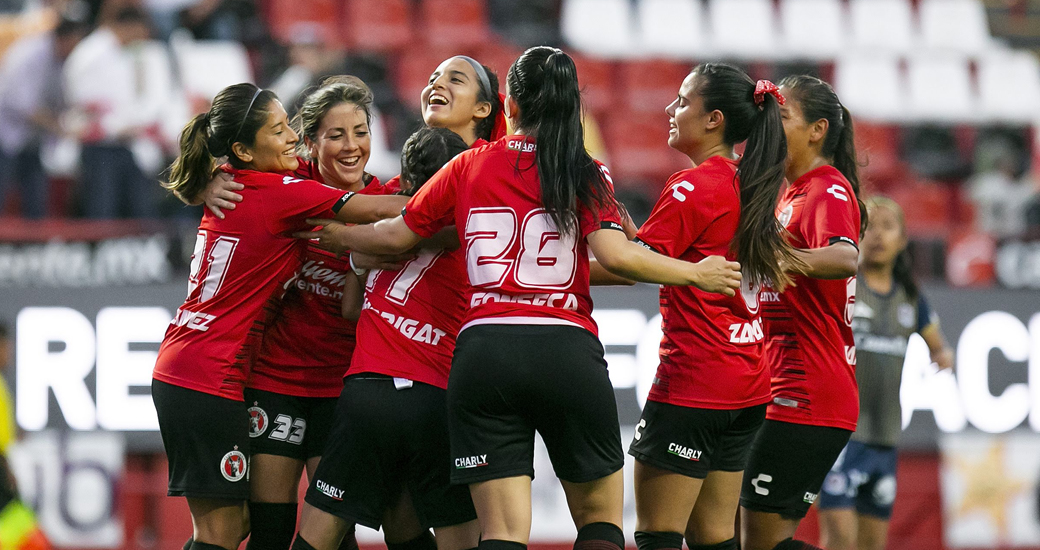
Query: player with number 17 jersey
x: 808, y: 326
x: 238, y: 265
x: 522, y: 270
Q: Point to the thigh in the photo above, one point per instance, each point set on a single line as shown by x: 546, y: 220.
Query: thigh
x: 358, y: 476
x: 504, y: 508
x: 217, y: 521
x: 274, y: 478
x: 664, y: 499
x: 598, y: 501
x: 787, y: 466
x: 491, y: 436
x: 207, y: 443
x: 278, y: 424
x: 437, y: 502
x: 713, y: 519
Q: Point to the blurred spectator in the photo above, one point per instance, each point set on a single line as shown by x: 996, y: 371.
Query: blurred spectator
x: 527, y: 23
x: 30, y: 103
x: 1001, y: 193
x: 103, y: 83
x: 207, y: 19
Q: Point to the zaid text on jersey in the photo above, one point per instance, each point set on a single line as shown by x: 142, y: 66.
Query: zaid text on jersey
x: 746, y: 333
x: 562, y: 300
x: 410, y: 328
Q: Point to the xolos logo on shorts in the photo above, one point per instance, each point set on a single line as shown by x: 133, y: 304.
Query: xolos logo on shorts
x: 233, y: 465
x: 329, y: 491
x: 257, y: 421
x: 466, y: 462
x: 684, y: 452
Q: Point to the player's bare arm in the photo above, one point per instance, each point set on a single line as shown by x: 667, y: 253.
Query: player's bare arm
x: 837, y: 261
x: 939, y: 349
x: 627, y: 259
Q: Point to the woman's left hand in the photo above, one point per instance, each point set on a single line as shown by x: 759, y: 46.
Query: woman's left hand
x: 330, y: 234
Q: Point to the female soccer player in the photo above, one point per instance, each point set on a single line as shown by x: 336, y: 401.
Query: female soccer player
x: 292, y: 388
x: 858, y: 493
x: 462, y: 96
x: 387, y: 453
x: 710, y: 393
x: 238, y: 264
x: 527, y: 358
x: 808, y: 334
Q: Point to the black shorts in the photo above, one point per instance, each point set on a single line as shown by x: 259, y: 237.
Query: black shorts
x: 508, y: 381
x: 385, y: 440
x: 287, y: 425
x: 694, y: 441
x: 787, y: 466
x: 207, y: 442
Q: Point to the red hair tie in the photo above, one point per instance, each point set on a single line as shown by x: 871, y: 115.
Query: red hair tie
x: 500, y: 130
x: 763, y: 87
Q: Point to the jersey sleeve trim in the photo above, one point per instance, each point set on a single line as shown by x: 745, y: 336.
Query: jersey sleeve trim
x: 644, y: 244
x: 835, y: 240
x: 608, y: 224
x: 342, y: 202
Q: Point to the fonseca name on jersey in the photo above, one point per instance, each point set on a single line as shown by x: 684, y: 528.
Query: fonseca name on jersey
x: 562, y: 300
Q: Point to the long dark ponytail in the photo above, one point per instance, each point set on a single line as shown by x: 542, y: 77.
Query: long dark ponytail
x: 544, y: 83
x: 237, y: 114
x: 818, y: 101
x: 902, y: 270
x: 761, y: 247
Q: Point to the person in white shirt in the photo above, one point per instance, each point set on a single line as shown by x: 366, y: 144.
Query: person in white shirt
x: 103, y: 84
x: 30, y: 104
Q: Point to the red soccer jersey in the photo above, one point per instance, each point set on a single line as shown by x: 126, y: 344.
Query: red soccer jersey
x: 307, y: 345
x: 411, y: 317
x: 809, y: 344
x: 521, y: 269
x: 238, y: 264
x: 712, y: 346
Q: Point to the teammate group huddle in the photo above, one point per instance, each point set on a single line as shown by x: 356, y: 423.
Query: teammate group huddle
x: 473, y: 327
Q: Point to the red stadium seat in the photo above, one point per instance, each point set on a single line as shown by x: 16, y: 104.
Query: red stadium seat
x: 638, y: 147
x: 650, y: 85
x: 597, y: 80
x: 927, y: 205
x: 412, y: 69
x: 458, y: 23
x: 498, y: 57
x: 291, y: 20
x: 877, y: 145
x: 377, y: 26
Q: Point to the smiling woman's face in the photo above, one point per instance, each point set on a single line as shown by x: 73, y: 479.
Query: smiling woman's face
x: 342, y: 146
x: 274, y: 149
x: 450, y: 99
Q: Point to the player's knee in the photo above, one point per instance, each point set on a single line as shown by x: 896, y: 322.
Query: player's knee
x: 708, y: 531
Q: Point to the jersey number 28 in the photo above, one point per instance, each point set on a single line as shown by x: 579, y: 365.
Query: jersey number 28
x: 546, y: 260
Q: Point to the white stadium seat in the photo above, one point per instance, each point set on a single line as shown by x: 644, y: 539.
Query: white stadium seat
x: 1009, y: 87
x: 813, y: 29
x: 958, y: 25
x: 871, y: 86
x: 672, y: 28
x: 882, y: 25
x: 208, y: 66
x: 599, y: 27
x: 744, y: 29
x: 939, y: 87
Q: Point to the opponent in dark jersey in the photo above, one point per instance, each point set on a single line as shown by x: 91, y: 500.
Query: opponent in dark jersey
x: 238, y: 264
x: 809, y: 345
x: 527, y: 213
x: 708, y: 397
x: 858, y: 494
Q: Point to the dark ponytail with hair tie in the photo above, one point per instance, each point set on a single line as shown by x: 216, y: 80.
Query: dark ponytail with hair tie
x: 544, y: 83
